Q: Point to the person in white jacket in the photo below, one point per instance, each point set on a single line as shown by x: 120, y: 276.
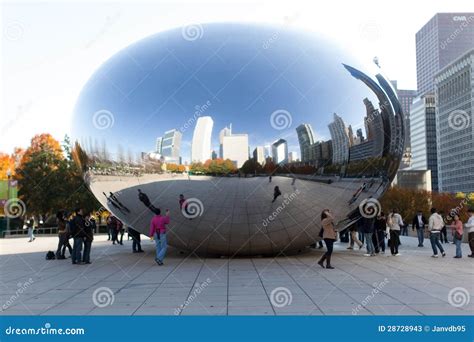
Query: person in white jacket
x: 435, y: 224
x: 470, y: 225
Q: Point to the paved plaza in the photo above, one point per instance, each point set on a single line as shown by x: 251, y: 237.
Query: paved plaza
x: 119, y: 282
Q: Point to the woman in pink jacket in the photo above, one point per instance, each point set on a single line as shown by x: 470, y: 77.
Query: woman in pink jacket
x: 458, y: 232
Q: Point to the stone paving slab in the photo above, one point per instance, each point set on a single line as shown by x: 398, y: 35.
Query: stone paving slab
x: 119, y: 282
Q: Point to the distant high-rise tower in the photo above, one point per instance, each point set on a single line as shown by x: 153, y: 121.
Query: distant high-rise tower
x: 236, y: 148
x: 280, y: 151
x: 259, y: 155
x: 171, y: 146
x: 159, y: 140
x: 439, y: 42
x: 340, y: 140
x: 305, y: 139
x: 423, y: 132
x: 455, y: 124
x: 225, y: 132
x: 201, y: 144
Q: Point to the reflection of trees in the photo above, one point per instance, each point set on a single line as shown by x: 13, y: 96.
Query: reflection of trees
x: 213, y: 167
x: 251, y: 166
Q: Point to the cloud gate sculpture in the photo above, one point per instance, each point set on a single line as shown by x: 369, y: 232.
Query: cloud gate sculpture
x: 244, y: 132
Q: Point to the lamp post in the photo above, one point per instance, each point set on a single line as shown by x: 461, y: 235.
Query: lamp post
x: 9, y: 175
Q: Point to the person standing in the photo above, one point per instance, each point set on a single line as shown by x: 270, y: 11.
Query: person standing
x: 158, y: 233
x: 418, y: 223
x: 435, y: 225
x: 77, y: 226
x: 270, y: 179
x: 329, y: 236
x: 444, y: 232
x: 63, y: 236
x: 31, y: 223
x: 111, y: 227
x: 368, y: 224
x: 121, y: 231
x: 380, y: 229
x: 276, y: 193
x: 89, y: 229
x: 136, y: 240
x: 470, y: 235
x: 354, y: 238
x: 458, y: 233
x: 394, y: 222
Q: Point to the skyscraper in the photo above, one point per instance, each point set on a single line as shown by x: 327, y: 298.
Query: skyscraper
x: 159, y: 140
x: 223, y: 133
x: 455, y: 124
x: 280, y: 151
x: 423, y: 133
x: 340, y: 140
x: 201, y: 144
x: 305, y: 139
x: 171, y: 146
x: 236, y: 148
x: 259, y: 155
x: 439, y: 42
x: 292, y: 157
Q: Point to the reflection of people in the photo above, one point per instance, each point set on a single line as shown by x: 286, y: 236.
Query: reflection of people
x: 276, y: 193
x: 158, y: 233
x: 329, y: 236
x: 112, y: 195
x: 31, y: 228
x: 146, y: 201
x: 294, y: 180
x: 270, y: 179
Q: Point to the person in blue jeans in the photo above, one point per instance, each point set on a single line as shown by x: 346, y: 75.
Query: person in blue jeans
x: 435, y: 224
x: 368, y: 227
x: 77, y: 227
x: 419, y: 222
x: 158, y: 233
x: 458, y: 232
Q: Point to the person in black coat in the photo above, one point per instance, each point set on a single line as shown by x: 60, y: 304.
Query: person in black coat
x: 77, y: 226
x: 136, y: 241
x: 419, y: 222
x: 89, y: 229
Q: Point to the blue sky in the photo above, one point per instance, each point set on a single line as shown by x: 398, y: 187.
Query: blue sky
x: 245, y: 72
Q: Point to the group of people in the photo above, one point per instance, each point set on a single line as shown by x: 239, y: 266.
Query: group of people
x: 375, y: 230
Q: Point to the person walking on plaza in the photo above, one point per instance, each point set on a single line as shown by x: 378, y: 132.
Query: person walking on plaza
x: 470, y: 236
x: 110, y: 227
x: 458, y: 233
x: 329, y: 236
x: 276, y: 193
x: 354, y: 238
x: 394, y: 222
x: 136, y: 240
x: 368, y: 224
x: 158, y: 233
x: 121, y: 231
x: 435, y: 225
x: 418, y: 223
x: 77, y: 227
x: 30, y: 224
x: 63, y: 236
x: 444, y: 232
x: 89, y: 229
x: 379, y: 234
